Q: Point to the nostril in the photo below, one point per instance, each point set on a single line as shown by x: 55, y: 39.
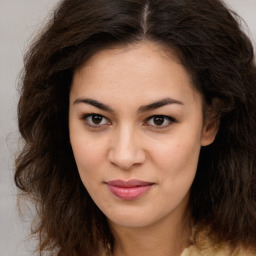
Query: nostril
x: 123, y: 162
x: 127, y: 159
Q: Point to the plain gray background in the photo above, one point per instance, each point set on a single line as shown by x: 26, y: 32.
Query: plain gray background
x: 19, y: 21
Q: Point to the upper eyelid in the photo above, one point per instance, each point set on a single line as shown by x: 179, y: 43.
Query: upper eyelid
x: 91, y: 114
x: 164, y: 116
x: 147, y: 118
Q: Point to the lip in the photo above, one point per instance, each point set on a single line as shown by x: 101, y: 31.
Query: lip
x: 129, y: 190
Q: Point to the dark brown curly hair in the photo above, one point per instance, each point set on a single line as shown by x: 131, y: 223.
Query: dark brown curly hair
x: 208, y: 40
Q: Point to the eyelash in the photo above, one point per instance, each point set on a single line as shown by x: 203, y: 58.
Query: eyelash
x: 165, y: 118
x: 87, y: 116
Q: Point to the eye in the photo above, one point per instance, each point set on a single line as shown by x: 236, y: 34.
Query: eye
x: 95, y: 120
x: 160, y: 121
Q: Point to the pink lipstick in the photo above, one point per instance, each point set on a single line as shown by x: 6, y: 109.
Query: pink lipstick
x: 129, y: 190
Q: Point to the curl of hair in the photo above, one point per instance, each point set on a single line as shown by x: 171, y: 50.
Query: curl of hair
x: 208, y: 41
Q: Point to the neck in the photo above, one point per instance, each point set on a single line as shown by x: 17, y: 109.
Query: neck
x: 168, y: 237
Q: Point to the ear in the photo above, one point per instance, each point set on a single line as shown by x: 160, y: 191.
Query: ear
x: 209, y: 131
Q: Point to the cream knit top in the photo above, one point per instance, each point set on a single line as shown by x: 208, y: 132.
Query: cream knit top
x: 223, y: 251
x: 205, y: 247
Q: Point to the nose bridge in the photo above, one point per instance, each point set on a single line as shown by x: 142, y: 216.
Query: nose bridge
x: 126, y: 149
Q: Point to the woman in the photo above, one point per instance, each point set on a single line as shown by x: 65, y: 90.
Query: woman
x: 138, y: 120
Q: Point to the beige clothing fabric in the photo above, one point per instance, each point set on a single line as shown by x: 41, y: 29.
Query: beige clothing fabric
x: 224, y: 251
x: 206, y: 247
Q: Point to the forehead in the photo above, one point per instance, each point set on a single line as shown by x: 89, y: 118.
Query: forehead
x: 133, y: 71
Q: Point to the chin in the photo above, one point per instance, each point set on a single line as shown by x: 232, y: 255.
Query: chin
x: 134, y: 219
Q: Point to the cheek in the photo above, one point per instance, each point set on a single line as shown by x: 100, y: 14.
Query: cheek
x: 89, y: 157
x: 177, y: 159
x: 178, y: 166
x: 178, y: 155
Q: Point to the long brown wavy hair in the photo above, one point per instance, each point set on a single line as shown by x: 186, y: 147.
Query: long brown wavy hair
x: 209, y: 42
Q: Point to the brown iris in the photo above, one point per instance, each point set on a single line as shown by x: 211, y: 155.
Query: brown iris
x: 97, y: 119
x: 158, y: 120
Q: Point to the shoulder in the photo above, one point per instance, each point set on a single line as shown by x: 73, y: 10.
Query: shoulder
x: 214, y: 251
x: 204, y: 246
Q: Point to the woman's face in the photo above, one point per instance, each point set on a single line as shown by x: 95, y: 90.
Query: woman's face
x: 136, y: 129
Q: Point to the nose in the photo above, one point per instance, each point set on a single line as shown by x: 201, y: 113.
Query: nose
x: 125, y: 149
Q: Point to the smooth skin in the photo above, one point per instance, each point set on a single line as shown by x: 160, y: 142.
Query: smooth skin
x: 135, y: 114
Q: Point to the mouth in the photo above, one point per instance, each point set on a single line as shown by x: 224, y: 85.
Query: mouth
x: 129, y: 190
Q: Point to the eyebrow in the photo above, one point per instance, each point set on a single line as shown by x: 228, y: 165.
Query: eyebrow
x: 158, y: 104
x: 144, y: 108
x: 94, y: 103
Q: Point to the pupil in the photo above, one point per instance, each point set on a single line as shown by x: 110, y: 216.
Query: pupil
x: 96, y: 119
x: 158, y: 120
